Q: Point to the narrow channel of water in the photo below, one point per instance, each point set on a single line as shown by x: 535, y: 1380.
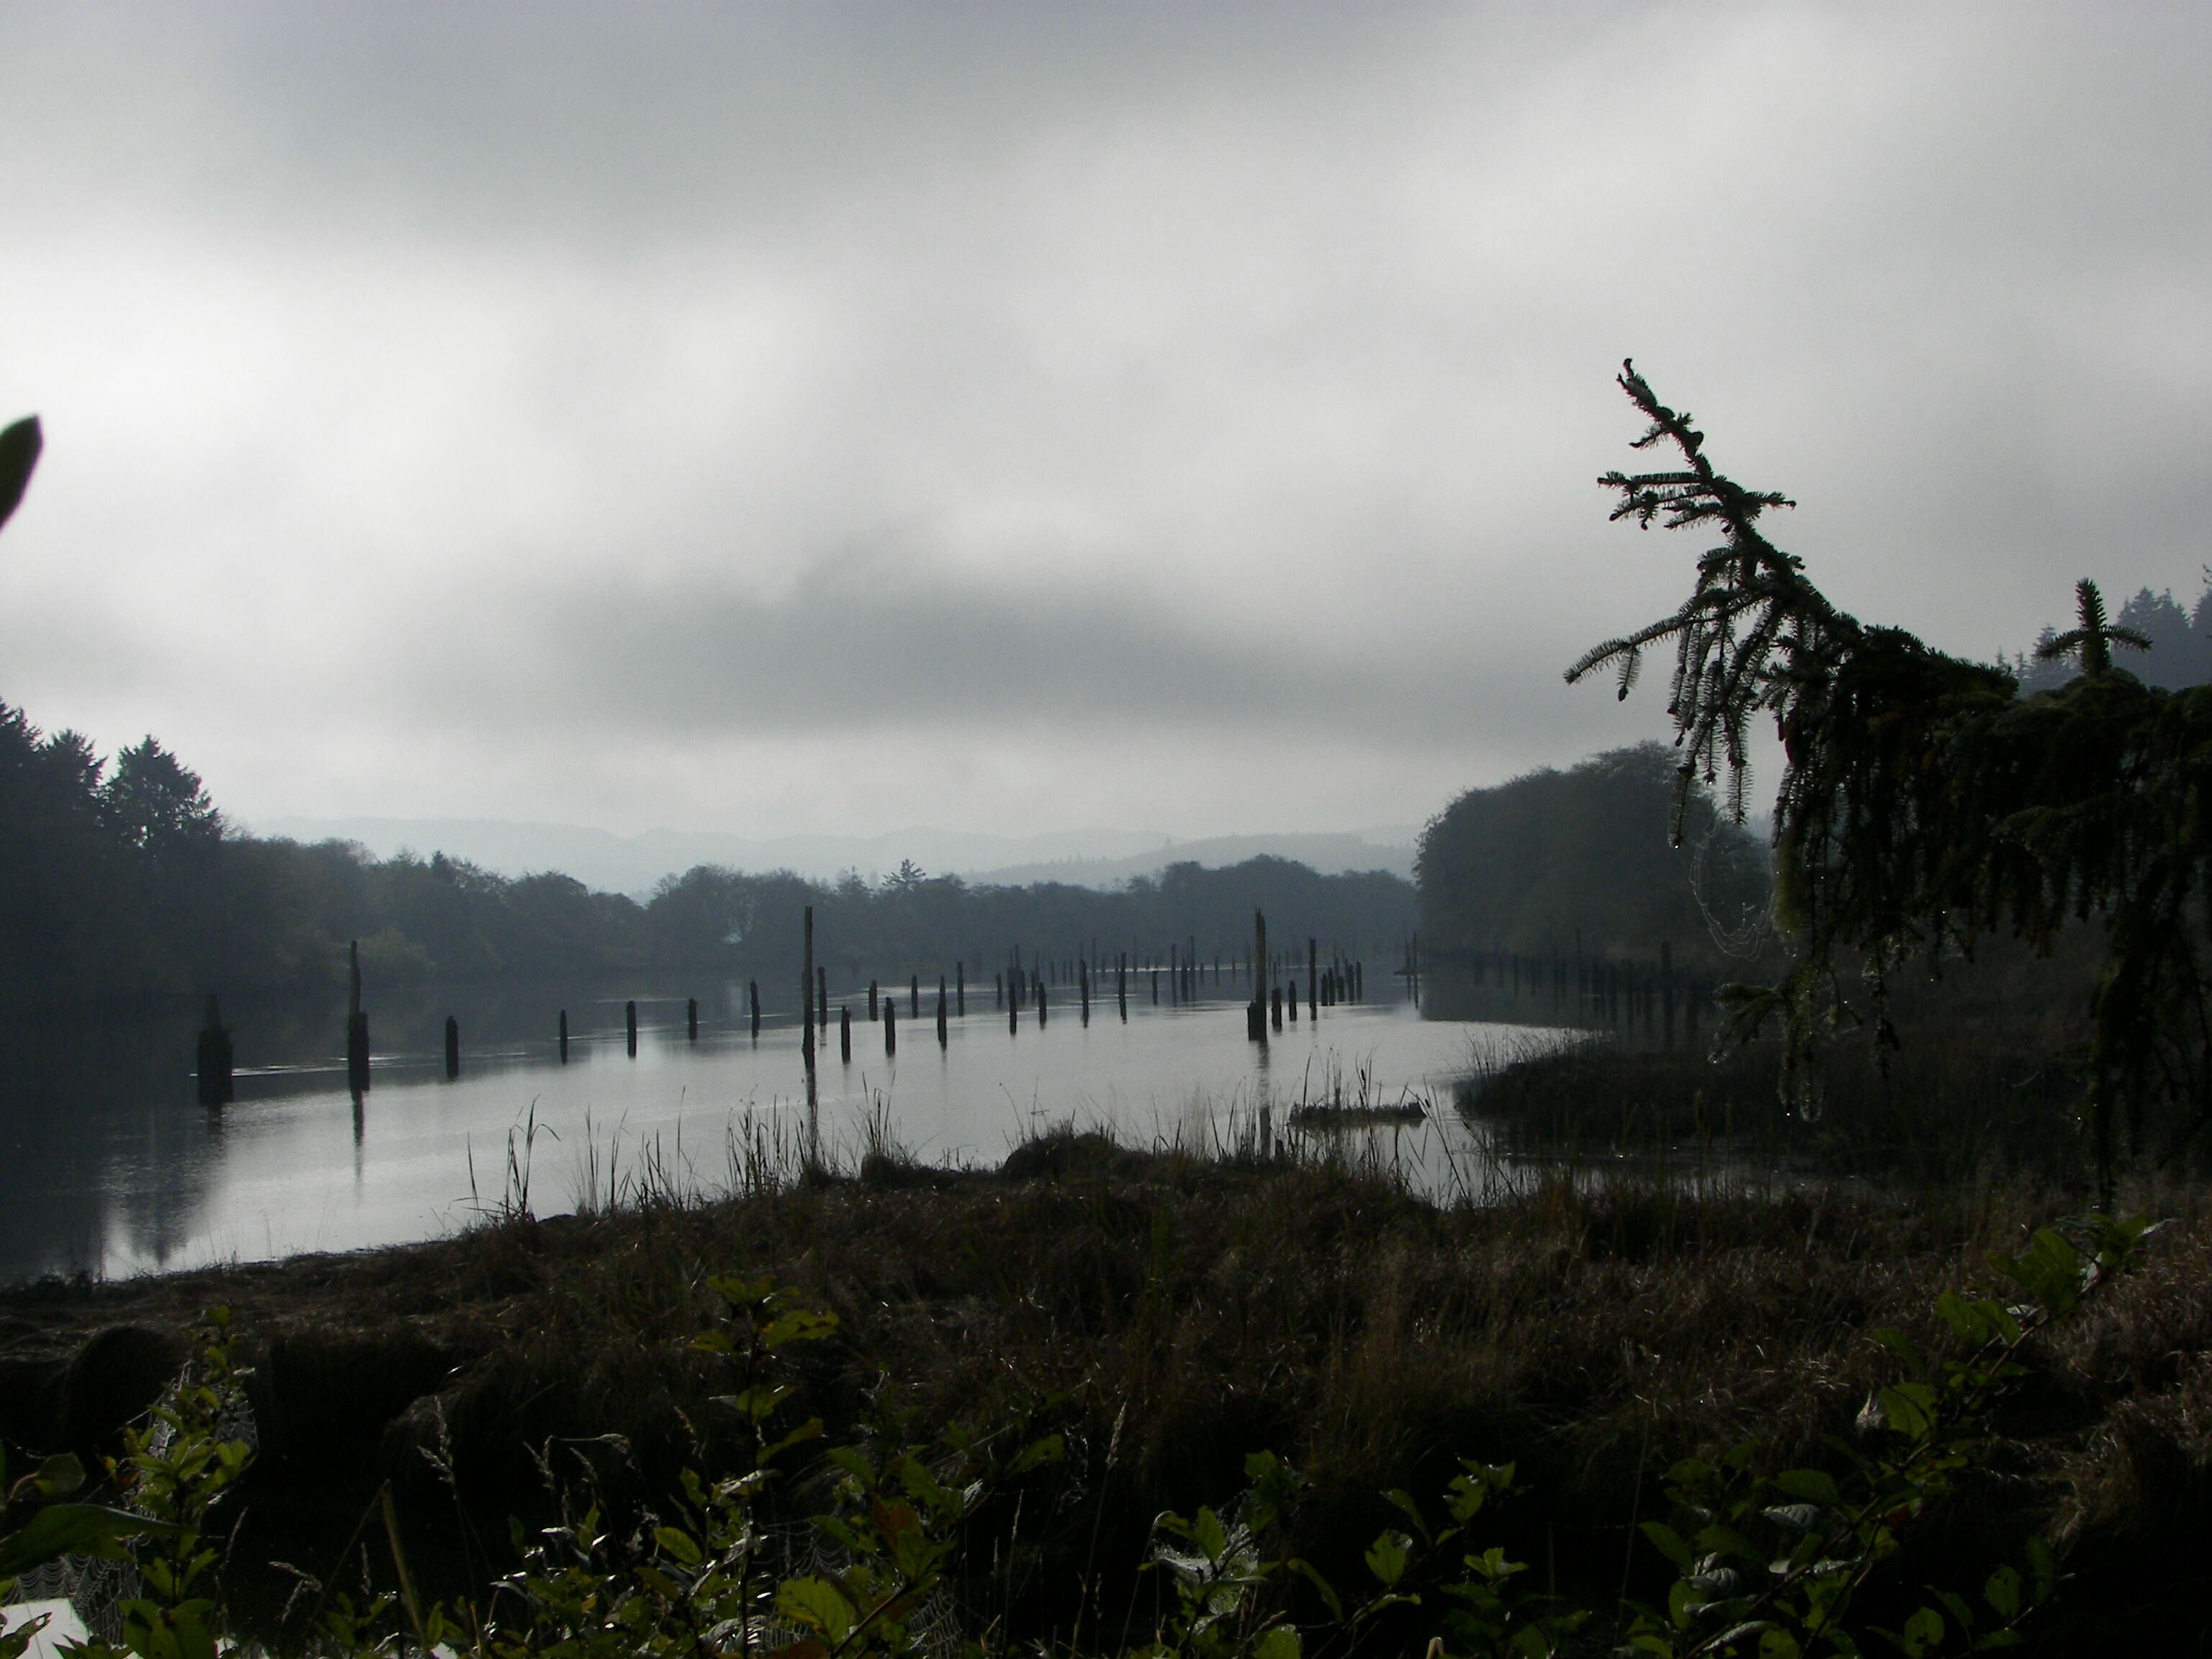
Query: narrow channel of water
x: 112, y: 1171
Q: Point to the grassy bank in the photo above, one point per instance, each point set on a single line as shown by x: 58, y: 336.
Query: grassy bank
x: 1174, y: 1315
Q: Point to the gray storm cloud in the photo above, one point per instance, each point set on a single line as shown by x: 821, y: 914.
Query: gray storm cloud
x: 806, y: 416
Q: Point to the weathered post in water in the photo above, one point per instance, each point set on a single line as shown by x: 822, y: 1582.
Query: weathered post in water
x: 356, y: 1027
x: 1040, y: 996
x: 890, y: 1027
x: 822, y: 999
x: 1256, y: 1013
x: 960, y: 988
x: 845, y: 1033
x: 752, y: 1000
x: 873, y: 1016
x: 453, y: 1048
x: 691, y: 1018
x: 629, y: 1026
x: 805, y: 1002
x: 1122, y: 984
x: 564, y: 1036
x: 215, y: 1087
x: 1313, y: 977
x: 1083, y: 982
x: 941, y: 1037
x: 913, y: 996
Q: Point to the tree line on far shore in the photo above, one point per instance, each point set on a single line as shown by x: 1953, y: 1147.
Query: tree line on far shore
x: 120, y: 880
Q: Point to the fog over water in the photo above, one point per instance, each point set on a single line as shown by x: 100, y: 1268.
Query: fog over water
x: 826, y: 418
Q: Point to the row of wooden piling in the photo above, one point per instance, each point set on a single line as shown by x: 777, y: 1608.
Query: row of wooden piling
x: 1024, y: 982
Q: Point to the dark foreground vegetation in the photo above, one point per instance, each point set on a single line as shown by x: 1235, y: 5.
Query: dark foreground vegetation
x: 1098, y: 1400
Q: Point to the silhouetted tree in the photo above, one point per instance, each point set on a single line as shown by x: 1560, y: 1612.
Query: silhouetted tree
x: 1923, y: 801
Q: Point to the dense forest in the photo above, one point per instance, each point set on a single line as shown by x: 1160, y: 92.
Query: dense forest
x: 123, y: 881
x: 1580, y: 864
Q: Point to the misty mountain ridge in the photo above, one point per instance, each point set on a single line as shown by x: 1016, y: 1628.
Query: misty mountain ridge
x: 609, y: 862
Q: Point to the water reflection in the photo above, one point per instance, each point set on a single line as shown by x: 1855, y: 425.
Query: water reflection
x: 112, y: 1167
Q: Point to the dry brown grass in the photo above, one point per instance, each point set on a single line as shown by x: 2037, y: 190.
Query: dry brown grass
x: 1210, y: 1309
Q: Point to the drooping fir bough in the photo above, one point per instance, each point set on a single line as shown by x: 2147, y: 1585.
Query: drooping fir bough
x: 1924, y: 802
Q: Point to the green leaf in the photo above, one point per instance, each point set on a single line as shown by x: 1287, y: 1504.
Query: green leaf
x: 1776, y: 1643
x: 62, y: 1529
x: 818, y: 1604
x: 1387, y: 1558
x: 1809, y: 1486
x: 1922, y: 1631
x: 1323, y: 1588
x: 1049, y: 1450
x: 2002, y: 1592
x: 1207, y: 1532
x: 679, y: 1543
x: 1910, y: 1408
x: 1668, y: 1543
x: 1280, y: 1643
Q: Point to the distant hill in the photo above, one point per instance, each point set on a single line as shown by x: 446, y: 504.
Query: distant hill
x: 636, y: 864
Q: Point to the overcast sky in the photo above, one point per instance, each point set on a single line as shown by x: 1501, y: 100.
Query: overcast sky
x: 835, y: 418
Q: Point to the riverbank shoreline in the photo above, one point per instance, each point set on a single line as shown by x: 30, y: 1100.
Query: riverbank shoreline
x: 1184, y: 1312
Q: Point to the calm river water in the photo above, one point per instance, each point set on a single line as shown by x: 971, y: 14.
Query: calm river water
x: 111, y: 1169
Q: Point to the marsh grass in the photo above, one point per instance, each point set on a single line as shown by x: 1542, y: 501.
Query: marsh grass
x: 1191, y: 1303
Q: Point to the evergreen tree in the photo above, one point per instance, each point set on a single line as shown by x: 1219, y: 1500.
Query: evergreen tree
x: 1923, y: 801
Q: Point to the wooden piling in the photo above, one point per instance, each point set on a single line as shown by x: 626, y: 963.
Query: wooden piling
x: 890, y: 1027
x: 872, y: 1015
x: 942, y: 1038
x: 215, y: 1070
x: 691, y: 1018
x: 1313, y: 977
x: 629, y: 1025
x: 453, y: 1048
x: 356, y: 1027
x: 1256, y: 1013
x: 960, y: 988
x: 845, y: 1033
x: 1041, y: 1000
x: 805, y: 998
x: 752, y: 997
x: 564, y: 1036
x: 1121, y: 985
x: 913, y: 996
x: 822, y: 999
x: 1082, y: 985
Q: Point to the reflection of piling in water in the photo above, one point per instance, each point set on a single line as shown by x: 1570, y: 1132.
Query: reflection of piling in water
x: 356, y: 1027
x: 215, y: 1088
x: 564, y: 1036
x: 453, y: 1048
x: 629, y: 1026
x: 691, y: 1018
